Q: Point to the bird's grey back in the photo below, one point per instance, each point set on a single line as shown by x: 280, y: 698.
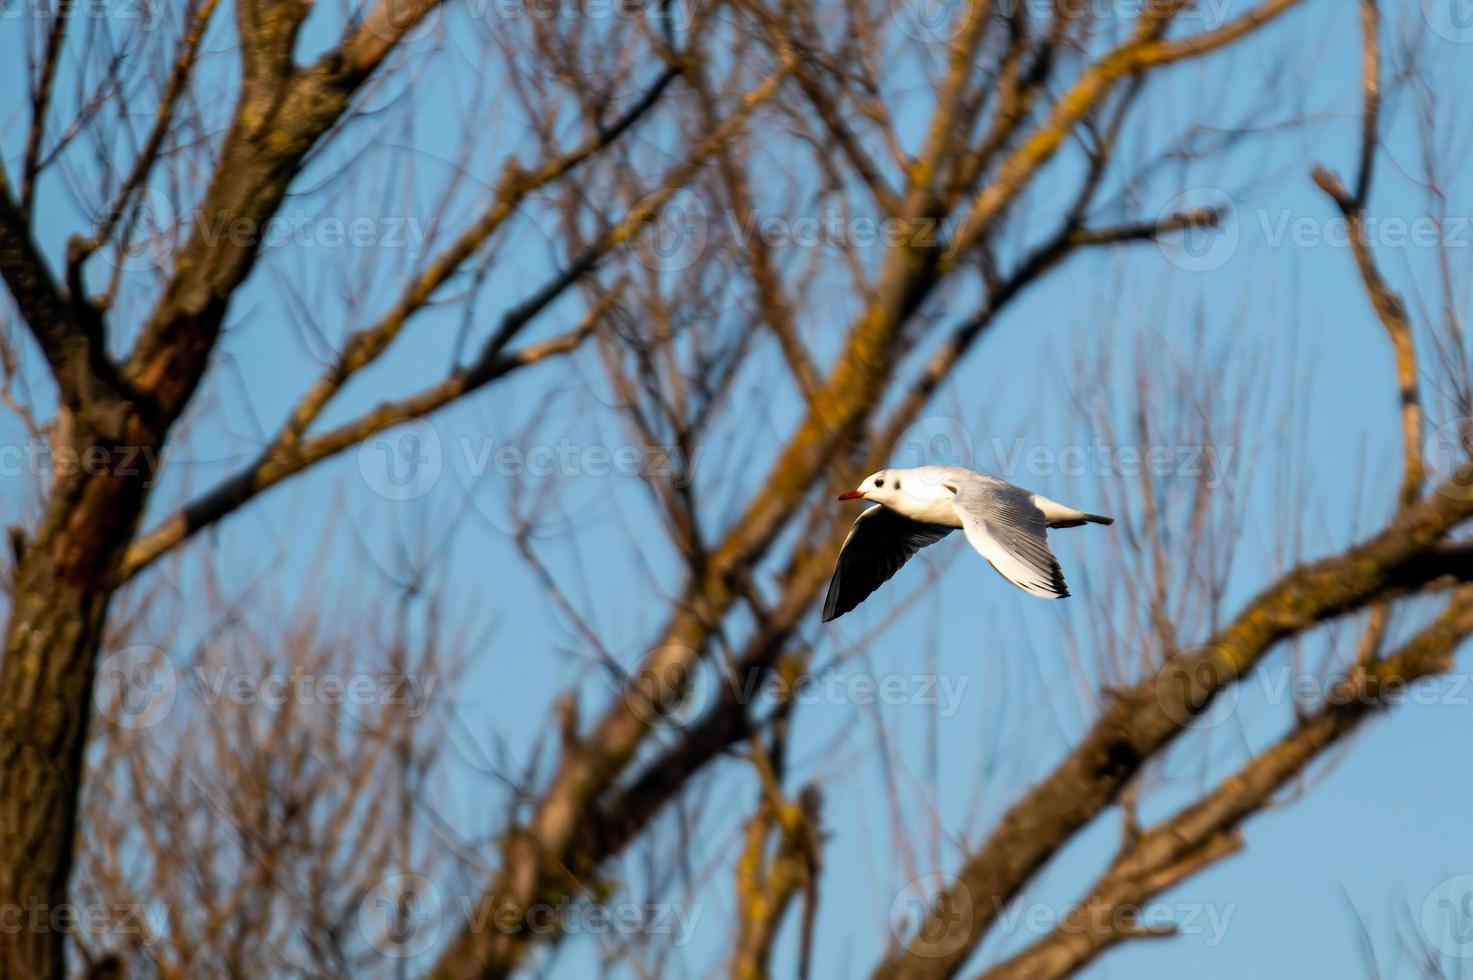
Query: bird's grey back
x: 967, y: 481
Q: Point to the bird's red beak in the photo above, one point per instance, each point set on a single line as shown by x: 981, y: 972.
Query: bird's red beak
x: 851, y: 495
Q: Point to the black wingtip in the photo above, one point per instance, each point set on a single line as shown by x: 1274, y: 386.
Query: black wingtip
x: 1060, y: 588
x: 830, y: 614
x: 831, y: 610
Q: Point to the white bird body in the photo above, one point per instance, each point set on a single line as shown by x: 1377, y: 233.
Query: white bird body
x: 1007, y: 525
x: 925, y: 493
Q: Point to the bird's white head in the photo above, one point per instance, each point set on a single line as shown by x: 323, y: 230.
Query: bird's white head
x: 882, y: 486
x: 920, y: 493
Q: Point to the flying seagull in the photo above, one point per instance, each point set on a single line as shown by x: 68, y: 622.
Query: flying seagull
x: 1006, y: 524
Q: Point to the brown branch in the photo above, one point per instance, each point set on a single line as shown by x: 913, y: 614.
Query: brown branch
x: 809, y: 74
x: 282, y: 461
x: 948, y: 130
x: 515, y: 185
x: 282, y: 113
x: 40, y: 106
x: 10, y: 369
x: 1385, y: 300
x: 1148, y: 231
x: 586, y: 767
x: 1209, y: 829
x: 767, y: 885
x: 69, y: 334
x: 268, y: 32
x: 1070, y: 235
x: 197, y: 20
x: 1017, y: 86
x: 289, y: 454
x: 1145, y: 718
x: 1145, y: 50
x: 380, y: 31
x: 540, y: 858
x: 1370, y: 26
x: 609, y: 825
x: 772, y: 301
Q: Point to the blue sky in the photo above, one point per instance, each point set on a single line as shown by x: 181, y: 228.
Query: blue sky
x: 1371, y: 837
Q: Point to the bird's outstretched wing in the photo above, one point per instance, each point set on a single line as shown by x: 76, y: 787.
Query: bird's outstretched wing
x: 1006, y: 527
x: 878, y: 544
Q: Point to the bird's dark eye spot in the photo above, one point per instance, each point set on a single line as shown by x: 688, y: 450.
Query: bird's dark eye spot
x: 897, y: 484
x: 879, y: 483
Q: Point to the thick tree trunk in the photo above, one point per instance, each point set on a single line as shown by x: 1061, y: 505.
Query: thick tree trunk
x: 64, y: 582
x: 121, y: 414
x: 52, y: 642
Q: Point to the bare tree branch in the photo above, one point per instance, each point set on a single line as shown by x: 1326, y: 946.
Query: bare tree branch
x: 1145, y: 718
x: 1208, y: 830
x: 1386, y: 301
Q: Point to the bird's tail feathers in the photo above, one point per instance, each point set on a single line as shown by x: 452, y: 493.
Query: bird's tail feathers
x: 1079, y: 520
x: 1057, y: 515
